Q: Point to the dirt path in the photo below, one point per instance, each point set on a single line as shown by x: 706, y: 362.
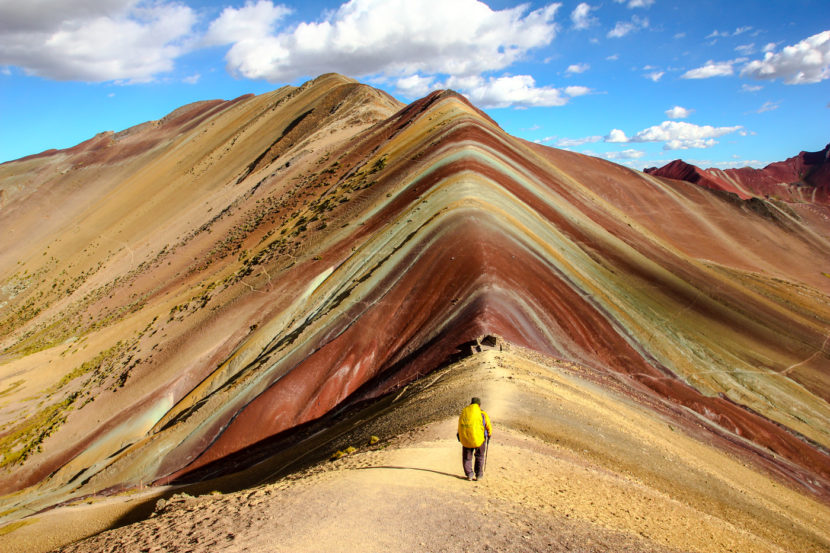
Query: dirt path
x: 580, y: 489
x: 412, y: 496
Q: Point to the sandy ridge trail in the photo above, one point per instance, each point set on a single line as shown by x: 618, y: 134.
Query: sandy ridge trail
x: 572, y: 467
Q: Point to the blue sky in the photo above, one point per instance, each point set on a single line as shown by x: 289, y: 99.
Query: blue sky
x: 640, y: 82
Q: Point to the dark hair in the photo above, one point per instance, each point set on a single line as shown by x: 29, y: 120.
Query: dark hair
x: 475, y: 400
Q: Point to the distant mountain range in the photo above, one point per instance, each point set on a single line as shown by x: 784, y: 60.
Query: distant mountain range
x: 802, y: 178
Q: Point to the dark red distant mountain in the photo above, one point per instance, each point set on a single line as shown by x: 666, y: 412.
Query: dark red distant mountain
x: 802, y: 178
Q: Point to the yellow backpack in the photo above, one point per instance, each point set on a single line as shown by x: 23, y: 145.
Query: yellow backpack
x: 471, y: 426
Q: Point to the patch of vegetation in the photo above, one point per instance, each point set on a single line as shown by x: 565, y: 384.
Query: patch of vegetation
x: 12, y: 526
x: 24, y: 440
x: 378, y: 165
x: 93, y: 364
x: 342, y: 453
x: 12, y: 387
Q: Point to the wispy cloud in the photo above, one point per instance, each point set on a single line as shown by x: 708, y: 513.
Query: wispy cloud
x: 573, y: 142
x: 636, y: 3
x: 711, y: 69
x: 733, y: 164
x: 625, y: 154
x: 723, y: 34
x: 745, y: 49
x: 623, y: 28
x: 717, y: 34
x: 769, y: 106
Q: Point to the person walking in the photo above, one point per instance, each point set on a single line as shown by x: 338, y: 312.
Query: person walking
x: 474, y: 431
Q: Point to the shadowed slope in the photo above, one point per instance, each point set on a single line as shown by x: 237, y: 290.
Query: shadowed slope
x: 314, y: 259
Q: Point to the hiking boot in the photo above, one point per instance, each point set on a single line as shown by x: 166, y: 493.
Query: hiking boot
x: 479, y: 477
x: 470, y: 477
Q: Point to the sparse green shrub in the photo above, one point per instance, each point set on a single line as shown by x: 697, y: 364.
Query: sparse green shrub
x: 378, y: 165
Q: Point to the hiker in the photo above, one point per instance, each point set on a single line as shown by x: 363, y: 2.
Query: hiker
x: 474, y: 433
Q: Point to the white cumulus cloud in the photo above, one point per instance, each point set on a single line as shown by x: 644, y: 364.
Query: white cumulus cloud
x: 519, y: 91
x: 679, y: 135
x: 95, y: 40
x: 249, y: 22
x: 711, y: 69
x: 582, y: 18
x: 616, y: 136
x: 803, y: 63
x: 415, y: 86
x: 499, y: 92
x: 394, y: 38
x: 655, y: 75
x: 678, y: 112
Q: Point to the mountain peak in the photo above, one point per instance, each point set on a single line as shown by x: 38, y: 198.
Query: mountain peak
x: 272, y: 273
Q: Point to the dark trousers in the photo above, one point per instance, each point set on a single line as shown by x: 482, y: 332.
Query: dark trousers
x: 467, y: 458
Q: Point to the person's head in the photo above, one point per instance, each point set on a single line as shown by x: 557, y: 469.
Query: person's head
x: 476, y: 400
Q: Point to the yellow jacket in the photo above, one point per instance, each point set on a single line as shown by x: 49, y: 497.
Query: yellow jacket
x: 473, y: 426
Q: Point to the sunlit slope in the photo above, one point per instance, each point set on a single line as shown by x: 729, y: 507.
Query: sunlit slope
x: 114, y: 296
x: 314, y: 260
